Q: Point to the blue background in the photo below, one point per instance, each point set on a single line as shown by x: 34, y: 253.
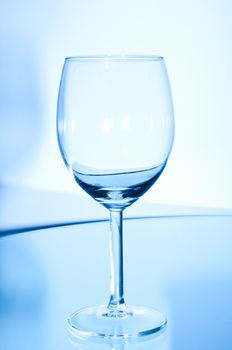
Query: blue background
x: 187, y: 272
x: 193, y: 36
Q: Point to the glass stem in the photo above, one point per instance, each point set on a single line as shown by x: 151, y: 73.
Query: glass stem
x: 116, y: 303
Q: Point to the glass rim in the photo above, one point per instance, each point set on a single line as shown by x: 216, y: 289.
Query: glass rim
x: 116, y: 58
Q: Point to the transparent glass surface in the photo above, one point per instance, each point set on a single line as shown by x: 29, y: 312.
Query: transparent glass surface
x: 181, y: 265
x: 115, y: 130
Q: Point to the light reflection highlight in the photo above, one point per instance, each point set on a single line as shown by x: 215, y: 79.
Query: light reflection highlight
x: 126, y: 123
x: 108, y: 125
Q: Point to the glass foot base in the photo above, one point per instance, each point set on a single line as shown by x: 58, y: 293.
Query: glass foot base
x: 133, y: 322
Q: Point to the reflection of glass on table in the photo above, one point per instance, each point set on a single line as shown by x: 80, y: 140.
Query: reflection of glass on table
x: 185, y: 268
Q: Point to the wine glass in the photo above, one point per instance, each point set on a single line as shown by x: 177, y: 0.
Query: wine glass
x: 115, y: 129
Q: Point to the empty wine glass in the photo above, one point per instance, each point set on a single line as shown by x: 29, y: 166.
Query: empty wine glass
x: 115, y: 130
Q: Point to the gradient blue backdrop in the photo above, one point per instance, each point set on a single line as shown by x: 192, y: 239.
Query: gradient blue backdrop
x: 194, y: 37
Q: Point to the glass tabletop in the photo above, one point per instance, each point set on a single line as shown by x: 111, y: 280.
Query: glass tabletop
x: 180, y: 265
